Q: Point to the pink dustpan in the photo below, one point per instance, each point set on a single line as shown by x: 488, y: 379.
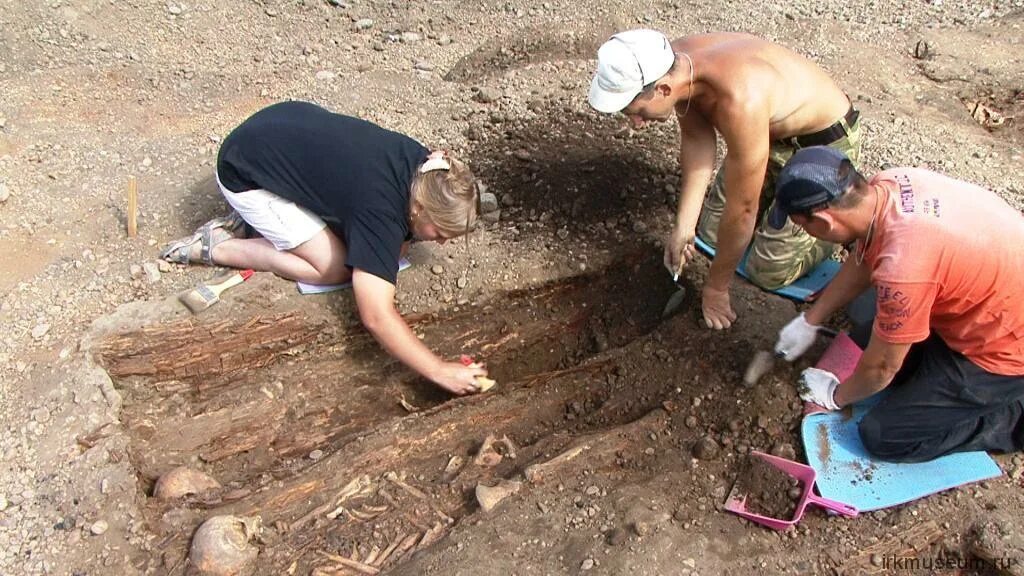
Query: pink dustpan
x: 806, y: 476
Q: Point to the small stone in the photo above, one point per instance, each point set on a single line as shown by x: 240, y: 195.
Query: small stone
x: 135, y: 271
x: 147, y: 162
x: 444, y: 40
x: 491, y: 217
x: 641, y: 528
x: 690, y: 563
x: 99, y: 527
x: 437, y: 269
x: 4, y: 503
x: 706, y: 449
x: 316, y: 455
x: 522, y: 154
x: 410, y: 37
x: 783, y: 450
x: 508, y: 200
x: 364, y: 24
x: 593, y: 491
x: 152, y: 272
x: 462, y: 282
x: 876, y: 559
x: 270, y: 12
x: 174, y: 9
x: 587, y: 564
x: 486, y: 95
x: 490, y: 496
x: 423, y: 66
x: 164, y: 266
x: 325, y: 75
x: 562, y: 233
x: 4, y: 192
x: 488, y: 202
x: 40, y: 330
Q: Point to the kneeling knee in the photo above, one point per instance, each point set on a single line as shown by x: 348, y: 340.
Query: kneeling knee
x: 873, y: 436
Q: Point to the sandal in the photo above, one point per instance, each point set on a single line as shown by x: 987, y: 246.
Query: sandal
x: 180, y: 250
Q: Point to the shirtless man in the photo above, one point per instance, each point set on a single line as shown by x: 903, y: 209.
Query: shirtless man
x: 767, y: 102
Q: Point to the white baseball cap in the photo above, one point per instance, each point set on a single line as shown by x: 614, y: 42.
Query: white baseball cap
x: 626, y: 63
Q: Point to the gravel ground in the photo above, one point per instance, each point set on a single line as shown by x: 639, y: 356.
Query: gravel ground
x: 94, y: 92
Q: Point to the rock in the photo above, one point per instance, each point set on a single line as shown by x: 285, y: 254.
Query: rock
x: 316, y: 455
x: 40, y: 330
x: 444, y: 40
x: 4, y: 503
x: 706, y: 449
x: 641, y: 528
x: 508, y: 200
x: 783, y: 450
x: 587, y: 564
x: 325, y: 75
x: 522, y: 154
x: 491, y: 217
x: 174, y: 9
x: 592, y: 491
x: 616, y: 537
x: 424, y: 66
x: 364, y: 24
x: 410, y: 37
x: 4, y: 192
x: 486, y: 95
x: 152, y: 272
x: 164, y: 266
x: 135, y: 271
x: 222, y: 546
x: 270, y: 12
x: 490, y: 496
x: 462, y: 282
x: 488, y: 202
x: 437, y: 269
x: 99, y: 527
x: 183, y: 481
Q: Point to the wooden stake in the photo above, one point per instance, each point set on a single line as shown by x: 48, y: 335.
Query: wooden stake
x: 133, y: 207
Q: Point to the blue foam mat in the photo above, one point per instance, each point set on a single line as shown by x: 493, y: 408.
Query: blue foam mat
x: 804, y: 289
x: 847, y: 473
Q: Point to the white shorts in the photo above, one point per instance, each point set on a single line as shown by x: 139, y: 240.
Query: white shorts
x: 284, y: 223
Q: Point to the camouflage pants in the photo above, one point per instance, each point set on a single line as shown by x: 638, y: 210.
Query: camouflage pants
x: 777, y: 257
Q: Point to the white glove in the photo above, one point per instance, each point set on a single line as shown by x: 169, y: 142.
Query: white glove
x: 795, y: 338
x: 819, y: 386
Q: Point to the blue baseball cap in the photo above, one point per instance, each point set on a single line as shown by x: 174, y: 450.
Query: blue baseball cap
x: 811, y: 178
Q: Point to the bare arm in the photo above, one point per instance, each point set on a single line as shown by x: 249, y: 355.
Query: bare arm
x: 874, y: 371
x: 697, y: 149
x: 375, y: 299
x: 744, y: 126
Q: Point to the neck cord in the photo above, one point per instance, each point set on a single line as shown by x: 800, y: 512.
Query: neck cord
x: 690, y: 61
x: 871, y: 231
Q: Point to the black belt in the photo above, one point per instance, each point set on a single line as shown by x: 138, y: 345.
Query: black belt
x: 827, y: 136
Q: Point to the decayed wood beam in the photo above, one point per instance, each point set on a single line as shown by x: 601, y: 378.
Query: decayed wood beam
x: 185, y: 349
x: 907, y: 544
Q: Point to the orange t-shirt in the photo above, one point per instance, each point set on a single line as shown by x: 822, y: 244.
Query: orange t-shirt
x: 948, y: 256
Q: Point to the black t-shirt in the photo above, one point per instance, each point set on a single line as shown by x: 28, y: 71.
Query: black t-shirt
x: 352, y: 173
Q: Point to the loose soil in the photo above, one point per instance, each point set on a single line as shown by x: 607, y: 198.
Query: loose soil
x: 765, y: 490
x: 287, y: 402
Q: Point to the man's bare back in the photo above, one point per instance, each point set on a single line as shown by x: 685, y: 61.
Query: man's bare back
x: 801, y: 98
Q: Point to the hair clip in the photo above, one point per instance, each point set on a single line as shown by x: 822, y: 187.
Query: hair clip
x: 436, y: 161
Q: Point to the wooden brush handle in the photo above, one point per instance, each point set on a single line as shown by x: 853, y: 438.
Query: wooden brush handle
x: 233, y: 280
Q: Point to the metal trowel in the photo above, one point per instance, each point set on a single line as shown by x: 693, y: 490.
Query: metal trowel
x: 674, y: 301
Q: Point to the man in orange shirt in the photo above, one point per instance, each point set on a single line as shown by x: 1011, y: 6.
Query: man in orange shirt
x: 945, y: 260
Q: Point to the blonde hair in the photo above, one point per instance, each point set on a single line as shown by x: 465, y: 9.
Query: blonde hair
x: 449, y: 198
